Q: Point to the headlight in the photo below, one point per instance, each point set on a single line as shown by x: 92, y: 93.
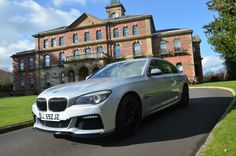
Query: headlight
x: 93, y: 98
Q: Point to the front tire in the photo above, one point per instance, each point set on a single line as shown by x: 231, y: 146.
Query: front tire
x: 129, y: 116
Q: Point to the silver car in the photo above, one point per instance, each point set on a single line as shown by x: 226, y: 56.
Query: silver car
x: 115, y: 99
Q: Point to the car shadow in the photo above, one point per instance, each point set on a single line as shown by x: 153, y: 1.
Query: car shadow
x: 170, y: 124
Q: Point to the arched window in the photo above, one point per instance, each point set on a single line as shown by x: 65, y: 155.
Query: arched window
x: 163, y: 47
x: 100, y: 52
x: 179, y: 66
x: 177, y: 44
x: 125, y: 31
x: 117, y: 51
x: 22, y: 65
x: 62, y: 77
x: 47, y: 81
x: 53, y: 42
x: 99, y: 35
x: 88, y: 53
x: 87, y: 36
x: 47, y: 60
x: 71, y: 76
x: 31, y: 63
x: 45, y: 43
x: 116, y: 33
x: 22, y: 83
x: 77, y: 54
x: 137, y: 49
x: 75, y: 38
x: 62, y: 57
x: 61, y: 41
x: 135, y: 30
x: 31, y: 83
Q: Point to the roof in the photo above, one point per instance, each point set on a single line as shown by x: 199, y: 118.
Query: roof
x: 121, y: 18
x: 24, y: 53
x: 114, y: 2
x: 173, y: 31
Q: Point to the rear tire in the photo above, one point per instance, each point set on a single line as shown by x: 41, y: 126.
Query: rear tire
x: 185, y: 96
x: 129, y: 116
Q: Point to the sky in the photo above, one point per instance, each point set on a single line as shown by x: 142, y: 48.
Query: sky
x: 20, y: 19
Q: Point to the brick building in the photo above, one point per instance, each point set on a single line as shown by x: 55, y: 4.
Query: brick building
x: 71, y: 53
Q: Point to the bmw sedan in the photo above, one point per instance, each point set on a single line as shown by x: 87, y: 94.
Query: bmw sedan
x: 115, y: 99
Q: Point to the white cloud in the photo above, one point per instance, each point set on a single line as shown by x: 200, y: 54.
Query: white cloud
x: 59, y: 3
x: 21, y: 19
x: 212, y: 64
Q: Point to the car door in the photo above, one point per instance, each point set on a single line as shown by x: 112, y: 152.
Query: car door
x: 172, y: 77
x: 157, y: 88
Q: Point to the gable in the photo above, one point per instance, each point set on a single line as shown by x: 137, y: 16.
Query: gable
x: 85, y: 20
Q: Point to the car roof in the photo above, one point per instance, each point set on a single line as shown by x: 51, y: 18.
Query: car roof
x: 141, y: 59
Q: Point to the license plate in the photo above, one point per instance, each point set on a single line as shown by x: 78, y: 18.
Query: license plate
x: 49, y: 117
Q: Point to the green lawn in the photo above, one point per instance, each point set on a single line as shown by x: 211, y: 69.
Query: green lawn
x: 15, y: 110
x: 224, y: 136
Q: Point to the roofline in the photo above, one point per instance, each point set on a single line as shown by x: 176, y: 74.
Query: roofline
x: 174, y: 32
x: 105, y: 21
x: 27, y: 52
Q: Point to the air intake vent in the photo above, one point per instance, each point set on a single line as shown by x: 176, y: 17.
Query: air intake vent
x: 41, y: 104
x: 57, y: 104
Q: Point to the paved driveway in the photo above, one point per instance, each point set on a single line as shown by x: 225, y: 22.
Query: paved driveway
x: 175, y: 131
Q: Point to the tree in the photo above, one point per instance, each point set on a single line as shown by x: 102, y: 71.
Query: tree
x: 221, y: 32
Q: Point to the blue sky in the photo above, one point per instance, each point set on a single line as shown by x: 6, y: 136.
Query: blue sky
x: 26, y: 17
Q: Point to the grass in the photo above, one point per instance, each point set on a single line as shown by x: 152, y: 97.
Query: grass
x: 15, y: 110
x: 224, y: 136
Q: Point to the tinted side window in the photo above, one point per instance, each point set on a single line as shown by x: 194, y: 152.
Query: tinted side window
x: 168, y: 68
x: 154, y: 64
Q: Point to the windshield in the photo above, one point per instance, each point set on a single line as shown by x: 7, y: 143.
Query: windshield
x: 122, y: 69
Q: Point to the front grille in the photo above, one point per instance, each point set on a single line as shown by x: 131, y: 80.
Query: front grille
x: 41, y: 104
x: 57, y: 104
x: 54, y: 124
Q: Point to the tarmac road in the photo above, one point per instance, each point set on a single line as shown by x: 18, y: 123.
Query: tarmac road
x: 172, y: 132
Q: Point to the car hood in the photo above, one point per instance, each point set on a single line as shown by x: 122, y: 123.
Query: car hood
x: 70, y: 90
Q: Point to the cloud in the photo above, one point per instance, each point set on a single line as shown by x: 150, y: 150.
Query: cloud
x: 60, y: 3
x: 21, y: 19
x: 213, y: 64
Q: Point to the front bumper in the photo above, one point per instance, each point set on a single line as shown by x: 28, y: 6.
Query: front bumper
x: 80, y: 119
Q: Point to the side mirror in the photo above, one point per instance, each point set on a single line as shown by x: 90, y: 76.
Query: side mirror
x: 155, y: 71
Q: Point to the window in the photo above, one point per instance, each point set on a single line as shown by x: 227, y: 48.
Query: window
x: 177, y: 44
x: 117, y: 51
x: 88, y: 53
x: 31, y: 83
x: 163, y: 47
x: 165, y: 67
x: 125, y: 31
x: 22, y: 83
x: 116, y: 33
x: 21, y: 65
x: 62, y: 57
x: 168, y: 68
x: 179, y: 66
x: 87, y: 37
x: 135, y: 30
x: 99, y: 35
x: 100, y: 52
x: 31, y: 63
x: 45, y: 43
x: 137, y: 49
x: 53, y: 42
x: 77, y: 54
x: 62, y: 77
x: 75, y: 38
x: 47, y: 60
x: 61, y: 41
x: 47, y: 81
